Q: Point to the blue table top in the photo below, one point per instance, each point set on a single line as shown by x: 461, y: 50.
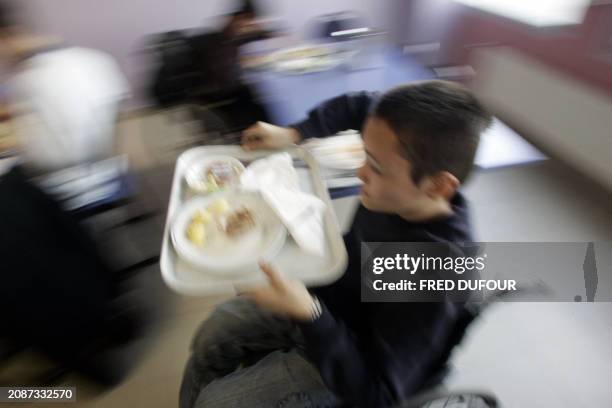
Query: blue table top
x: 289, y: 97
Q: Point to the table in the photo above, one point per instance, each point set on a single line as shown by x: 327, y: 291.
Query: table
x: 289, y: 97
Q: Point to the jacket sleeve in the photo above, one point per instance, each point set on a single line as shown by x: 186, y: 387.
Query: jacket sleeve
x: 348, y: 111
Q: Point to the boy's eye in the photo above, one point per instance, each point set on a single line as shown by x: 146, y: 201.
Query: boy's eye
x: 374, y: 168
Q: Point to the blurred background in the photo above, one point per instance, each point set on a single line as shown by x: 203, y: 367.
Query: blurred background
x: 189, y: 73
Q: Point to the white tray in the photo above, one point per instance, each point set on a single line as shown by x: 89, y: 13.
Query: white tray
x: 312, y: 270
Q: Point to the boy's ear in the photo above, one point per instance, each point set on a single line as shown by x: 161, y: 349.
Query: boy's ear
x: 442, y: 184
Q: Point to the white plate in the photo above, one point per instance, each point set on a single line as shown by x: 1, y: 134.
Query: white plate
x: 303, y: 51
x: 222, y: 254
x: 306, y: 65
x: 343, y: 152
x: 194, y: 174
x: 309, y: 59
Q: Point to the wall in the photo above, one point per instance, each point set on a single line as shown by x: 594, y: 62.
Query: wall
x: 118, y: 26
x: 583, y: 52
x: 421, y: 21
x: 563, y: 116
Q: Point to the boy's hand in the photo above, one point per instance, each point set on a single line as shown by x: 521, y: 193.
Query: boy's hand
x: 283, y: 296
x: 264, y: 135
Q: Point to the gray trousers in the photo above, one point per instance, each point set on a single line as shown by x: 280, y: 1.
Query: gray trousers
x: 243, y: 356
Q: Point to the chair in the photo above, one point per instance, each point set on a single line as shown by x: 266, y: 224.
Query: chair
x: 452, y: 399
x: 197, y: 125
x: 176, y: 75
x: 58, y: 294
x: 180, y: 83
x: 431, y: 392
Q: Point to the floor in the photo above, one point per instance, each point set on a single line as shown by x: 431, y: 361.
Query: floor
x: 530, y: 355
x: 540, y: 354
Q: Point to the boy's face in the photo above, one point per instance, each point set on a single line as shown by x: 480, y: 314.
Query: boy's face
x: 387, y: 183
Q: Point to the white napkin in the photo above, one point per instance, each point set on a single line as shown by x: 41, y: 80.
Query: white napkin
x: 340, y: 153
x: 277, y: 181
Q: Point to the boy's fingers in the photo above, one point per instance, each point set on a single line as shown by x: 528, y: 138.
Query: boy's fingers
x: 276, y: 279
x: 253, y: 145
x: 253, y: 131
x: 265, y: 297
x: 250, y: 137
x: 250, y: 130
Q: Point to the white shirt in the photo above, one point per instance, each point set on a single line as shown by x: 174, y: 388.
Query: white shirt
x: 69, y: 98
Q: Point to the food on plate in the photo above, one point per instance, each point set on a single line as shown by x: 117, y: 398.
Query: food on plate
x: 219, y: 206
x: 209, y: 174
x: 308, y: 59
x: 213, y: 225
x: 256, y: 61
x: 196, y: 232
x: 239, y: 222
x: 306, y: 52
x: 202, y: 216
x: 219, y: 175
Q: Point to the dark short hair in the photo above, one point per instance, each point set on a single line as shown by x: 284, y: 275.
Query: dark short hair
x: 438, y: 125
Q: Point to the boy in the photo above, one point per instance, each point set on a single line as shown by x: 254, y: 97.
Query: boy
x: 325, y: 347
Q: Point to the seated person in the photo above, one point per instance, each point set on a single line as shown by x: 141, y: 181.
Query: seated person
x: 217, y: 58
x: 206, y: 70
x: 59, y: 294
x: 323, y: 346
x: 67, y: 97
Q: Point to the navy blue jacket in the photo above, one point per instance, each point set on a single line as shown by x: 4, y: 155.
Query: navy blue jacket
x: 376, y: 354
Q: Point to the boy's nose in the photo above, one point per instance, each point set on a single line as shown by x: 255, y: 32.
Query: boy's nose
x: 361, y: 174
